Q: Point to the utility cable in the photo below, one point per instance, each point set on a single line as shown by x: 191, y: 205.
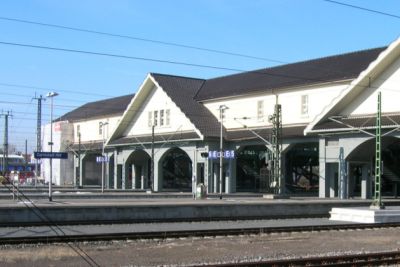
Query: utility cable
x: 363, y: 8
x: 140, y: 39
x: 260, y: 72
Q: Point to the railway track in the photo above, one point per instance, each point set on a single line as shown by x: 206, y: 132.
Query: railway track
x: 388, y: 258
x: 59, y: 237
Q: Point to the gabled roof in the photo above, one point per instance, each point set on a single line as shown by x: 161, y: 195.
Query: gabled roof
x: 106, y: 107
x: 182, y: 91
x: 321, y: 70
x: 357, y: 86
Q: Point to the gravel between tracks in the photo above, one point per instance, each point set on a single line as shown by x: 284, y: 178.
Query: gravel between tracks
x: 198, y: 251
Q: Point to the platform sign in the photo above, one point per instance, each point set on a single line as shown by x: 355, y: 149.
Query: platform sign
x: 100, y: 159
x: 50, y: 155
x: 228, y: 154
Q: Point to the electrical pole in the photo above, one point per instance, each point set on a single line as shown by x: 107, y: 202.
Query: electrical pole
x: 26, y: 155
x: 222, y: 109
x: 38, y: 133
x: 276, y: 140
x: 377, y: 203
x: 5, y: 142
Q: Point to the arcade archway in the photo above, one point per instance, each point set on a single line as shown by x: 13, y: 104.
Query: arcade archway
x: 302, y: 168
x: 137, y: 170
x: 91, y: 170
x: 251, y: 169
x: 362, y: 158
x: 176, y: 170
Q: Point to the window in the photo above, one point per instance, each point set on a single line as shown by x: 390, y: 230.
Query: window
x: 260, y: 110
x: 155, y: 117
x: 100, y: 128
x: 167, y: 117
x: 304, y: 105
x: 161, y: 117
x: 150, y: 119
x: 78, y: 129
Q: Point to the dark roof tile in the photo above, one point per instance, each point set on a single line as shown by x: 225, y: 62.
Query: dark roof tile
x: 106, y: 107
x: 182, y: 90
x: 328, y: 69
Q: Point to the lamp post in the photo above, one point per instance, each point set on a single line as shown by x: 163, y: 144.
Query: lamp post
x: 51, y: 95
x: 102, y: 124
x: 222, y: 109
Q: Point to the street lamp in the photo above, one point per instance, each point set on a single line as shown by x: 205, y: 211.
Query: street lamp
x: 103, y: 156
x: 222, y: 109
x: 51, y: 95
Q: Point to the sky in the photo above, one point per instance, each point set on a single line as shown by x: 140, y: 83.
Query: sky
x: 264, y: 32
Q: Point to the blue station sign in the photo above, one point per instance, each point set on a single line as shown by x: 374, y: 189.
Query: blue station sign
x: 50, y: 155
x: 228, y: 154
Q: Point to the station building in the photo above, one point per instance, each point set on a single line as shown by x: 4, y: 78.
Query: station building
x: 328, y: 106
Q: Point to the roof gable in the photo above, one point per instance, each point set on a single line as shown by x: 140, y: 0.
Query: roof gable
x: 346, y: 107
x: 182, y: 91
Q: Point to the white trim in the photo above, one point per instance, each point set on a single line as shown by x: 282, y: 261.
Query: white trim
x: 374, y: 69
x: 194, y: 127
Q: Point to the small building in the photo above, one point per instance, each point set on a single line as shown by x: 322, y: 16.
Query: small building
x: 82, y: 132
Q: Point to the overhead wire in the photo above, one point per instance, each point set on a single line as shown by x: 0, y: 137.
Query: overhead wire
x: 363, y: 8
x: 139, y: 39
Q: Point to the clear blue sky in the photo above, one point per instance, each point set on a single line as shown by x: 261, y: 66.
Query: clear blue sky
x: 282, y: 30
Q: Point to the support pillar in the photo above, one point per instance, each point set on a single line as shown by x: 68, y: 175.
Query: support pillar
x: 134, y: 176
x: 115, y: 169
x: 143, y: 181
x: 123, y: 178
x: 366, y: 192
x: 323, y: 183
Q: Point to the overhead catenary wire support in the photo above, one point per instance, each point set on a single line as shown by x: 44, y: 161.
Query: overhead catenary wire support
x: 276, y: 141
x: 6, y: 116
x: 39, y: 99
x: 377, y: 202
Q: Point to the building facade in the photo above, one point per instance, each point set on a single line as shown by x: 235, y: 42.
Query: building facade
x: 168, y: 136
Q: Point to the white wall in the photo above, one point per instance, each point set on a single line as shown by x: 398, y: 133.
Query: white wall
x: 158, y: 100
x: 89, y: 129
x: 62, y: 168
x: 318, y: 98
x: 388, y: 84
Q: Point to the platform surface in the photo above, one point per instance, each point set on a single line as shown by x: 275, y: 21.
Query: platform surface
x: 366, y: 214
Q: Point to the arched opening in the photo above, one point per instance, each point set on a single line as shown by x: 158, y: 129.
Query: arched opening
x: 176, y: 170
x: 251, y: 169
x: 91, y: 170
x: 137, y: 170
x: 302, y: 169
x: 363, y: 158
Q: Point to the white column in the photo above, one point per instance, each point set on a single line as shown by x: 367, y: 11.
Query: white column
x: 323, y: 184
x: 133, y: 176
x: 366, y: 192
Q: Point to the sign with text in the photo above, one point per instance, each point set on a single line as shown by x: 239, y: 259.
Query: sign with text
x: 228, y: 154
x: 50, y: 155
x: 100, y: 159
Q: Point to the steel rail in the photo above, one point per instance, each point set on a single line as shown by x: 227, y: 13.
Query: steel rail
x: 186, y: 233
x: 360, y: 259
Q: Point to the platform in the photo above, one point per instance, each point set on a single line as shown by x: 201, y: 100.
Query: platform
x: 166, y: 209
x: 366, y: 214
